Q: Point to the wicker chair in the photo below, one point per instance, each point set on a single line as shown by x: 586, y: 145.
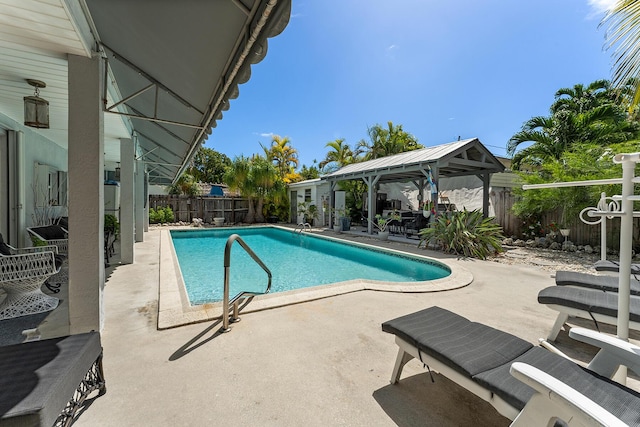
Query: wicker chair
x: 52, y: 235
x: 22, y: 274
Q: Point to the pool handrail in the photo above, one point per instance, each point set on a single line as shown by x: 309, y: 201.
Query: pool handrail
x: 303, y: 226
x: 241, y: 295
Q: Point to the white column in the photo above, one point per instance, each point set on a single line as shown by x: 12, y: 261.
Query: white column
x: 139, y: 202
x: 127, y: 159
x: 145, y: 220
x: 86, y: 194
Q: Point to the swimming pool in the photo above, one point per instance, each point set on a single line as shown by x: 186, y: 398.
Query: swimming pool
x: 297, y: 260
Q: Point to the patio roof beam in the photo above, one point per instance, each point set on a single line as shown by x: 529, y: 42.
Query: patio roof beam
x: 242, y: 7
x: 157, y: 145
x: 146, y: 75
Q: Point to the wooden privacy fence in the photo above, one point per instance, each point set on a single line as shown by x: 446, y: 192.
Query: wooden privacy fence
x: 580, y: 233
x: 232, y: 209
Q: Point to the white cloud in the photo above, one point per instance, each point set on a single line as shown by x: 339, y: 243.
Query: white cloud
x: 267, y: 135
x: 599, y: 7
x: 393, y: 46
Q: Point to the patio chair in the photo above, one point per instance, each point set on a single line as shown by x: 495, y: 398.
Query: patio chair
x: 591, y: 304
x: 415, y: 225
x: 22, y: 274
x: 52, y: 234
x: 487, y: 361
x: 592, y: 281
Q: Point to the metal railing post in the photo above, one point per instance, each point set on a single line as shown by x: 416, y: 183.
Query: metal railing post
x: 235, y: 301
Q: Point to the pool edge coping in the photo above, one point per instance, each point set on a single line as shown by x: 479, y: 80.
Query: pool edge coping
x: 174, y: 309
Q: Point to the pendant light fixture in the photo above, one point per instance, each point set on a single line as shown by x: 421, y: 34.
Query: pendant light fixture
x: 36, y: 109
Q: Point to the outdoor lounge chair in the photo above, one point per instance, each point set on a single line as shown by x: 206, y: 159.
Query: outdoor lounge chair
x: 487, y: 362
x: 614, y: 267
x: 592, y: 281
x: 593, y: 304
x: 52, y: 235
x: 45, y: 383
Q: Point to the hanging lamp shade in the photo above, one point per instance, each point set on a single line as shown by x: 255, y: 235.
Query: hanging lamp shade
x: 36, y: 109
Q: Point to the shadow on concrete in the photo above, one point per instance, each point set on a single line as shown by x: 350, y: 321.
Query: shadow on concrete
x: 417, y: 401
x: 197, y: 341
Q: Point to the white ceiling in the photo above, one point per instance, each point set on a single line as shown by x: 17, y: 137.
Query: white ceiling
x: 35, y: 38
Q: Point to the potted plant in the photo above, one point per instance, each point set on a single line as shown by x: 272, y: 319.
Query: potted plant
x: 308, y: 211
x: 337, y: 215
x: 383, y: 223
x: 428, y: 208
x: 312, y: 214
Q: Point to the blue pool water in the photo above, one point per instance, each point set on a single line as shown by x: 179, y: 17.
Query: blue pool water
x: 295, y: 260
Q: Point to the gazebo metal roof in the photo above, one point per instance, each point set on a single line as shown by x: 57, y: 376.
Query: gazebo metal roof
x: 459, y: 158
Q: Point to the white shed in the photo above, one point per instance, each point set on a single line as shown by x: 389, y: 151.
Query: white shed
x: 310, y: 191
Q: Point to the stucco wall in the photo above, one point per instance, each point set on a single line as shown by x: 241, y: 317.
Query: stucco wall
x: 37, y: 148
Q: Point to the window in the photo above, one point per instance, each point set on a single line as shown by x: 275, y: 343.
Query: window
x: 307, y: 195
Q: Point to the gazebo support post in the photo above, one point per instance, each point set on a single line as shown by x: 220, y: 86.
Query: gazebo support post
x: 332, y: 203
x: 485, y: 194
x: 371, y: 182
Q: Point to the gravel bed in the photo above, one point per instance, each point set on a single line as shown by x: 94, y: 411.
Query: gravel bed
x: 548, y: 259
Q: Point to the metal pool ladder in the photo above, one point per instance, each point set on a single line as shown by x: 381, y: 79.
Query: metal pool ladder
x: 241, y: 295
x: 302, y: 227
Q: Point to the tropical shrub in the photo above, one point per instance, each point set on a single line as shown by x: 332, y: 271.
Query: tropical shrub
x: 168, y: 214
x: 111, y: 221
x: 465, y: 233
x: 161, y: 215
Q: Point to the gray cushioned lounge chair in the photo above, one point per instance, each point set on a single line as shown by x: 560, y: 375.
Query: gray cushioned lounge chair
x: 487, y: 361
x: 614, y: 267
x: 592, y: 281
x: 45, y: 383
x: 592, y: 304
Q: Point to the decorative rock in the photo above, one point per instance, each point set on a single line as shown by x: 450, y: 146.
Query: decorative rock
x: 508, y: 241
x: 588, y: 249
x: 555, y: 245
x: 519, y: 242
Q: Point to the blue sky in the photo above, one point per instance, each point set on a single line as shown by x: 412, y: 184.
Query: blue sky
x: 470, y: 68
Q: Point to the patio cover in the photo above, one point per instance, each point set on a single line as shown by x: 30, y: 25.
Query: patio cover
x: 459, y: 158
x: 174, y: 65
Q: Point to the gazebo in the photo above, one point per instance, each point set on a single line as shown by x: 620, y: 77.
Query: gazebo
x: 423, y: 167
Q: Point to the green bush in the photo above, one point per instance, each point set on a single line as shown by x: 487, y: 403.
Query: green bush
x: 465, y: 233
x: 161, y: 215
x: 168, y: 214
x: 111, y: 221
x: 153, y: 216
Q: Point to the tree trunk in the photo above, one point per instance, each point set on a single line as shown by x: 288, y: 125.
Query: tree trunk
x: 260, y: 205
x: 251, y: 213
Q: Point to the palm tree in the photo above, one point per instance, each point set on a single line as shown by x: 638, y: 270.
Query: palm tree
x: 238, y: 178
x: 340, y: 155
x: 267, y: 183
x: 282, y: 154
x: 579, y: 115
x: 623, y: 33
x: 580, y: 99
x: 386, y: 141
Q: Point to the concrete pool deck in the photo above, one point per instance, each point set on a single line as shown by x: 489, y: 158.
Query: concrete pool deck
x: 174, y: 308
x: 321, y: 363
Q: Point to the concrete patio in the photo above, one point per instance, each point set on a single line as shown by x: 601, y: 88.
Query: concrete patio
x: 324, y: 362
